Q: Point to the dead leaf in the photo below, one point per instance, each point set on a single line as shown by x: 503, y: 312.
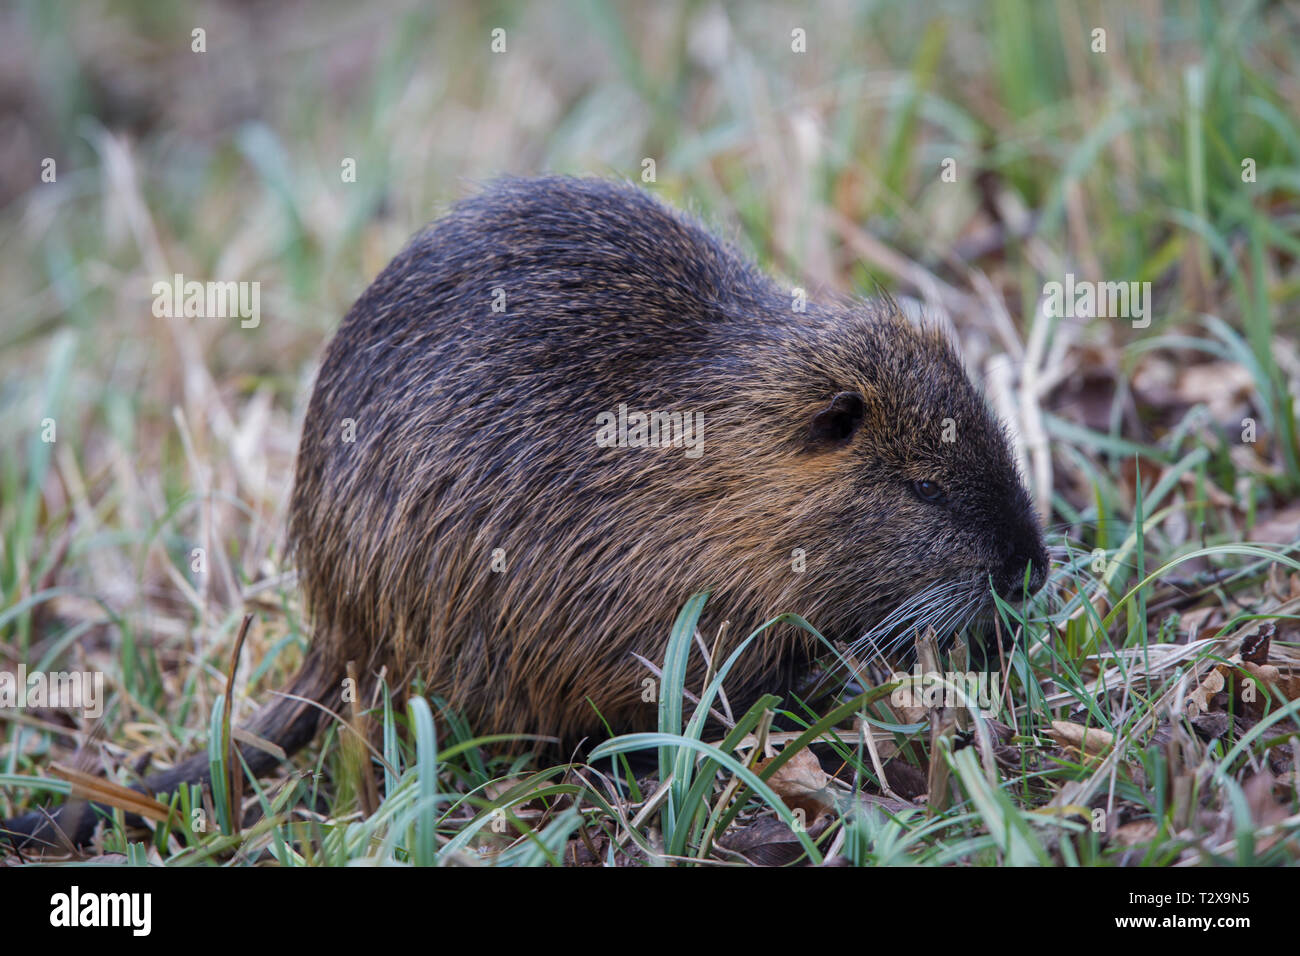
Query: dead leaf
x: 1200, y: 701
x: 1211, y: 726
x: 1281, y: 527
x: 1267, y: 678
x: 906, y: 780
x: 1255, y: 647
x: 1224, y: 388
x: 1265, y: 809
x: 1199, y: 621
x: 768, y: 842
x: 801, y: 783
x: 1135, y: 833
x: 1091, y: 741
x: 1215, y: 495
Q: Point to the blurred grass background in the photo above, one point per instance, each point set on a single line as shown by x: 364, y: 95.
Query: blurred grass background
x: 825, y: 165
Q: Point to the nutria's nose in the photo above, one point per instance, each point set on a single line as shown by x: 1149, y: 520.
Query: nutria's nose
x: 1011, y: 581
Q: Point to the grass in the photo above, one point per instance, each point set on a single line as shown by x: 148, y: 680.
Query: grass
x: 1174, y: 538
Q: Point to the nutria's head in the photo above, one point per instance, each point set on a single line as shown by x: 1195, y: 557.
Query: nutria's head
x: 911, y: 511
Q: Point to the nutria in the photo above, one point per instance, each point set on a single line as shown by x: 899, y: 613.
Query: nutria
x: 458, y: 511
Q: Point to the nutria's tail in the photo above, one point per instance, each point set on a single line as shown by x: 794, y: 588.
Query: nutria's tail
x: 288, y: 723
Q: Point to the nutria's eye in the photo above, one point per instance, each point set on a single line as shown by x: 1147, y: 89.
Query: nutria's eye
x: 928, y: 491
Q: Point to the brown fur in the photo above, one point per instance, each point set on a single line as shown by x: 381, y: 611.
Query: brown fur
x: 475, y: 431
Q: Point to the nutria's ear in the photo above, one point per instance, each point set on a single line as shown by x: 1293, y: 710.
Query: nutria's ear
x: 838, y: 421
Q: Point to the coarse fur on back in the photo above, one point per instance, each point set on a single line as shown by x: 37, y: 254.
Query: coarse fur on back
x: 457, y: 515
x: 474, y: 530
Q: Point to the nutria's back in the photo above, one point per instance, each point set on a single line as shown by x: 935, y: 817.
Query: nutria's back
x: 457, y: 514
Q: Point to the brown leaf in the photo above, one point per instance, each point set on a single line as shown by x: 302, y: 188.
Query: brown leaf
x: 909, y: 708
x: 905, y: 779
x: 801, y: 784
x: 1255, y: 647
x: 1215, y: 495
x: 1201, y: 700
x: 767, y: 842
x: 1201, y: 622
x: 1281, y: 527
x: 1139, y: 831
x: 1092, y: 741
x: 1265, y: 809
x: 1267, y: 678
x: 1211, y: 726
x: 1223, y: 387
